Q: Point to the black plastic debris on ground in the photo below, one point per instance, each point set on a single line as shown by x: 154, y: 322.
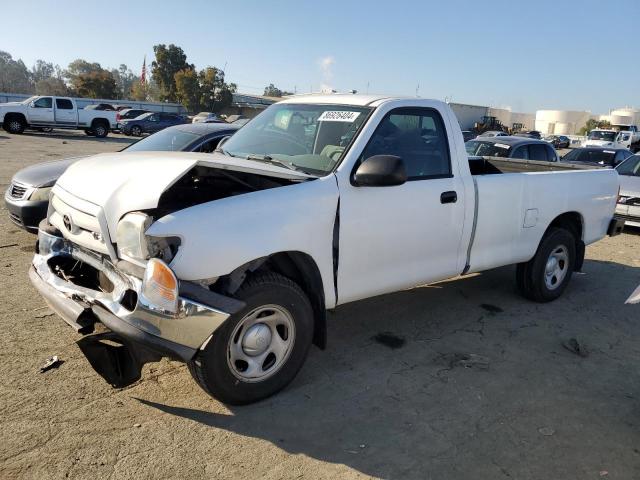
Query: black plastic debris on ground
x: 389, y: 339
x: 491, y: 308
x: 576, y: 347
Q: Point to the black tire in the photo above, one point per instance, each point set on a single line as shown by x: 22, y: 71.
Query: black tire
x: 136, y: 131
x: 531, y: 276
x: 100, y: 129
x: 89, y: 132
x: 14, y: 124
x: 211, y: 367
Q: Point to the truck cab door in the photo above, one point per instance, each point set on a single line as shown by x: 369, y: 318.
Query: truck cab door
x: 395, y: 237
x: 40, y: 111
x: 65, y: 113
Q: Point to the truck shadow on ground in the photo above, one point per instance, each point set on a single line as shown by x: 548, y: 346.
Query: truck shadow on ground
x: 417, y: 410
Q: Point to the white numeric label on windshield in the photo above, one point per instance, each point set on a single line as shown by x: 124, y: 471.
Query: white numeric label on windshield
x: 331, y: 116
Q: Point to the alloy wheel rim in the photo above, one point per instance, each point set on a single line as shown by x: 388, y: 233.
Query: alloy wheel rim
x: 261, y: 343
x: 556, y: 267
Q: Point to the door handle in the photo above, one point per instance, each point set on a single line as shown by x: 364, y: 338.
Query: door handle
x: 449, y: 197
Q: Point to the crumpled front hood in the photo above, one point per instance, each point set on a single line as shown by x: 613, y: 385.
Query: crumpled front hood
x: 124, y: 182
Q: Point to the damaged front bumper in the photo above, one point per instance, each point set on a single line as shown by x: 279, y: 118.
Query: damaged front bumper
x: 84, y: 288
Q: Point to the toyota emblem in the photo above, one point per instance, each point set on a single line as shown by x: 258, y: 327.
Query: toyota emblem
x: 66, y: 219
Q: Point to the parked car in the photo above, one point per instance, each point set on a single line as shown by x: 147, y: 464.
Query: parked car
x: 529, y: 134
x: 107, y: 107
x: 59, y: 112
x: 599, y: 156
x: 468, y: 135
x: 229, y: 261
x: 494, y: 133
x: 628, y: 207
x: 150, y: 123
x: 205, y: 117
x: 27, y: 198
x: 558, y: 141
x: 512, y: 147
x: 129, y: 114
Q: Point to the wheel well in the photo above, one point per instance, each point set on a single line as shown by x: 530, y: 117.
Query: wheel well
x: 11, y: 115
x: 98, y: 121
x: 298, y: 267
x: 572, y: 221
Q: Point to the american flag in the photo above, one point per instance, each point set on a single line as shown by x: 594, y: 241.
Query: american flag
x: 143, y: 75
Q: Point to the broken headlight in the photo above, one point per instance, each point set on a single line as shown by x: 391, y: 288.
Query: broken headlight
x: 130, y: 236
x: 134, y: 245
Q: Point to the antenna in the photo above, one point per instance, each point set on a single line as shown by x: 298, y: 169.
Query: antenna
x: 417, y: 89
x: 367, y: 87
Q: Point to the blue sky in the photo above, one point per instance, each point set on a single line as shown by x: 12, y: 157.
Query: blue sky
x: 528, y: 55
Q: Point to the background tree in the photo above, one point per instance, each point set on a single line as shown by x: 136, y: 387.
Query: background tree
x: 188, y: 90
x: 43, y: 70
x: 125, y: 80
x: 216, y: 94
x: 169, y: 61
x: 593, y: 123
x: 96, y: 85
x: 52, y: 86
x: 14, y: 75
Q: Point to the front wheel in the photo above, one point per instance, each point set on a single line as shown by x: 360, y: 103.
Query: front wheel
x: 136, y: 131
x: 14, y: 125
x: 545, y: 277
x: 259, y: 350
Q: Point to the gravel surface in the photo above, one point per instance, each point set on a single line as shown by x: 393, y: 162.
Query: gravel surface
x: 459, y: 380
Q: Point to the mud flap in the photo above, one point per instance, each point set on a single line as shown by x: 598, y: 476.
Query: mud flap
x: 117, y: 361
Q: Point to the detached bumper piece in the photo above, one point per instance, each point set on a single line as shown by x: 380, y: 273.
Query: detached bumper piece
x: 85, y: 288
x: 616, y: 225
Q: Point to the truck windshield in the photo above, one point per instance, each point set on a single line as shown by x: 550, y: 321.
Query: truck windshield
x: 599, y: 135
x: 487, y: 149
x: 30, y: 99
x: 168, y: 140
x: 306, y: 137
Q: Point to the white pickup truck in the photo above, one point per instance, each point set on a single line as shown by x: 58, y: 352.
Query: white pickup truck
x: 628, y: 138
x: 55, y: 112
x: 229, y: 261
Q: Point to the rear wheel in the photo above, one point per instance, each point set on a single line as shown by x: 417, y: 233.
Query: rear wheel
x: 100, y: 129
x: 14, y: 124
x: 259, y: 350
x: 136, y: 131
x: 545, y: 277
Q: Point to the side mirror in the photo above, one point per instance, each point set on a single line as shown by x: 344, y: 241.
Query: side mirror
x: 32, y: 104
x: 381, y: 171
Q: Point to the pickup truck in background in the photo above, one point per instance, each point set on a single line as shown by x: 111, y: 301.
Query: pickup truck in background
x: 55, y: 112
x: 629, y: 138
x: 229, y: 261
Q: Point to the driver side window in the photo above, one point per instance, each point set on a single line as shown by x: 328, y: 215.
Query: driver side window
x: 418, y: 136
x: 44, y: 102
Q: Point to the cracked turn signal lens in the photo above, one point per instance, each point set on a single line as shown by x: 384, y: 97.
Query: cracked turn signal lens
x: 159, y: 287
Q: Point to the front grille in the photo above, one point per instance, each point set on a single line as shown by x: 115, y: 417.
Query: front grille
x: 17, y: 191
x: 15, y: 218
x: 80, y: 227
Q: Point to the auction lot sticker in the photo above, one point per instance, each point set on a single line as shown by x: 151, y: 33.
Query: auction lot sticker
x: 336, y: 116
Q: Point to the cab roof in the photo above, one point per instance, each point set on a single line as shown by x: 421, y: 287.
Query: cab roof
x: 340, y: 99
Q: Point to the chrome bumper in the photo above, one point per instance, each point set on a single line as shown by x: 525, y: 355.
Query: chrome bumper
x: 118, y: 307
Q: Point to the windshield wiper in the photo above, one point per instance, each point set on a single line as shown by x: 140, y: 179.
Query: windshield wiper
x: 271, y: 160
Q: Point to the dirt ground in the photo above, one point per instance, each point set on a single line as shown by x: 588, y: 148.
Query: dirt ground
x: 476, y: 386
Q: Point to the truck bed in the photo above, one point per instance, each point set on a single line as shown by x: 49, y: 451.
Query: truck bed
x: 496, y: 165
